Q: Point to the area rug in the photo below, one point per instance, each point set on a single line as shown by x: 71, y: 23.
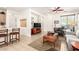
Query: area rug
x: 52, y: 49
x: 38, y: 45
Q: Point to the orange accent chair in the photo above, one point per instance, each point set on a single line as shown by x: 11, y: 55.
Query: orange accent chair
x: 51, y: 38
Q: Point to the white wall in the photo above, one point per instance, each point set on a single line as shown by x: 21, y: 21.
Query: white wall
x: 11, y: 18
x: 25, y: 14
x: 48, y: 22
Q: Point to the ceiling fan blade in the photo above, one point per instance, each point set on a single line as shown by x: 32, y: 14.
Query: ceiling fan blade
x: 57, y: 8
x: 60, y: 10
x: 53, y: 10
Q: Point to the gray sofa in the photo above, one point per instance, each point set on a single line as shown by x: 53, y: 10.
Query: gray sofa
x: 69, y: 38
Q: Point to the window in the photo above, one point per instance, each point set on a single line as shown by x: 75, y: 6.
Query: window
x: 68, y: 20
x: 71, y: 20
x: 64, y: 20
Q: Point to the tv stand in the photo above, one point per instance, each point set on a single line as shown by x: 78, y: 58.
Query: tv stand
x: 35, y: 30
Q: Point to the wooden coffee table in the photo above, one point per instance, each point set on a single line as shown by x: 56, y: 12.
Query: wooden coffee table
x: 75, y: 45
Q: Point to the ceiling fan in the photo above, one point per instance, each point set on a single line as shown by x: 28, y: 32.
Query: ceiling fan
x: 57, y: 9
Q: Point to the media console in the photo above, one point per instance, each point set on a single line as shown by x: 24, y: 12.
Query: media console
x: 35, y: 30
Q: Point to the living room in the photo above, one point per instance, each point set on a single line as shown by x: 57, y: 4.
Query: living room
x: 36, y: 23
x: 57, y: 17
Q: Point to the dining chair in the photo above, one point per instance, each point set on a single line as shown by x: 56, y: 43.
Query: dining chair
x: 14, y: 35
x: 4, y: 34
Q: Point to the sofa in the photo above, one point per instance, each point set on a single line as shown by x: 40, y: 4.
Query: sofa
x: 60, y: 31
x: 70, y: 37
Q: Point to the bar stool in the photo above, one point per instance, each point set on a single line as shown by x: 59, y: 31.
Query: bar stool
x: 15, y: 32
x: 4, y: 34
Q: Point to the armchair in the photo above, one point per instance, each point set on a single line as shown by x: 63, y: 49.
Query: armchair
x: 51, y: 38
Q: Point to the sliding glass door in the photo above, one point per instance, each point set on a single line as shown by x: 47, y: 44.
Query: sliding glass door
x: 71, y: 20
x: 68, y: 21
x: 64, y: 20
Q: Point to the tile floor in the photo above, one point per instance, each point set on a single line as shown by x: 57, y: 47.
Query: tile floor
x: 23, y: 44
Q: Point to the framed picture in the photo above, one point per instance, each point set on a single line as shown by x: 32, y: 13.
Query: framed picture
x: 56, y: 22
x: 23, y: 23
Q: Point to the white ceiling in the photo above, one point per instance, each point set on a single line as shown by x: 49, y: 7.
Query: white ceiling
x: 17, y: 8
x: 49, y: 9
x: 41, y: 9
x: 44, y: 9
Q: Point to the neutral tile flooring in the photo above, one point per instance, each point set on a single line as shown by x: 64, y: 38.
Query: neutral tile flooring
x: 22, y: 45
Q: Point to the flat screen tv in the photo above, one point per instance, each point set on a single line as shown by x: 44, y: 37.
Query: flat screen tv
x: 37, y: 24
